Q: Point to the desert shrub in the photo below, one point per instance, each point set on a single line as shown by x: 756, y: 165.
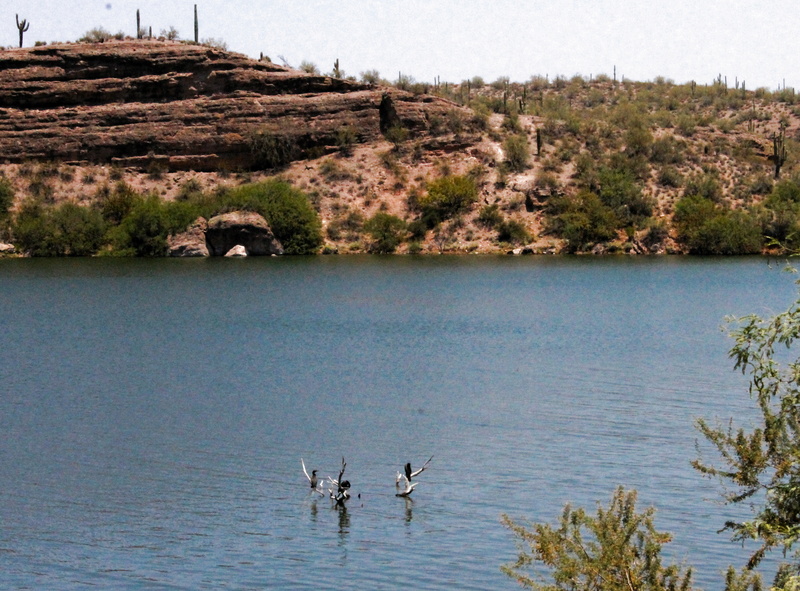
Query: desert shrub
x: 448, y: 196
x: 331, y: 170
x: 308, y: 67
x: 371, y: 77
x: 489, y: 216
x: 7, y: 195
x: 387, y: 232
x: 115, y: 204
x: 347, y: 225
x: 669, y: 176
x: 667, y: 150
x: 99, y: 35
x: 547, y: 181
x: 40, y: 188
x: 582, y: 220
x: 215, y: 43
x: 657, y: 232
x: 761, y: 185
x: 64, y: 230
x: 703, y: 185
x: 517, y: 154
x: 345, y: 138
x: 190, y: 188
x: 396, y: 134
x: 513, y: 231
x: 288, y: 211
x: 686, y: 124
x: 619, y: 191
x: 271, y: 149
x: 638, y: 141
x: 708, y: 228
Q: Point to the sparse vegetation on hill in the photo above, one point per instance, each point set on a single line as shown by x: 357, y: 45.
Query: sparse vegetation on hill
x: 562, y: 165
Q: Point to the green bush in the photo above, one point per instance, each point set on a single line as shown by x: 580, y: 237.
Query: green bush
x: 64, y: 230
x: 708, y: 228
x: 619, y: 191
x: 271, y: 149
x: 387, y: 232
x: 144, y: 230
x: 703, y: 185
x: 448, y: 196
x: 513, y: 231
x: 288, y: 211
x: 490, y: 216
x: 517, y: 153
x: 115, y: 204
x: 582, y: 220
x: 7, y: 195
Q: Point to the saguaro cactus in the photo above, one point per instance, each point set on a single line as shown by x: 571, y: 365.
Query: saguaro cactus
x: 138, y: 25
x: 779, y: 151
x: 196, y: 28
x: 23, y: 27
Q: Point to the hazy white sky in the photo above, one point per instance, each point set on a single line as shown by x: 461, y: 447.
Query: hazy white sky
x: 752, y: 40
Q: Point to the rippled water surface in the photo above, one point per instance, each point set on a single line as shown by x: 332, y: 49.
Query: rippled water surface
x: 153, y: 413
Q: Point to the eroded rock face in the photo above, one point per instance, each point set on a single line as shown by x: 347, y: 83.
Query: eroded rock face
x: 187, y: 106
x: 244, y: 228
x: 191, y: 243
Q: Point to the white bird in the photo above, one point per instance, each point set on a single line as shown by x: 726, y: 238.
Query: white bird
x: 406, y: 478
x: 409, y: 488
x: 313, y: 481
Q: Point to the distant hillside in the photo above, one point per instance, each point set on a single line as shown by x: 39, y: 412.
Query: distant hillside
x: 559, y: 165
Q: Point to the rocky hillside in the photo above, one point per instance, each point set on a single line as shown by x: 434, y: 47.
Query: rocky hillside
x: 185, y: 107
x: 544, y: 166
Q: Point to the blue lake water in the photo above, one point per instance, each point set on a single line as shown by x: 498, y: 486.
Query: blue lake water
x: 153, y: 413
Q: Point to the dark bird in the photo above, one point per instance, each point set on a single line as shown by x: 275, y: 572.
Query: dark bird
x: 408, y: 486
x: 313, y: 481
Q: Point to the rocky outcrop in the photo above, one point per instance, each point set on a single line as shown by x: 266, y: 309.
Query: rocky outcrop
x: 183, y: 106
x: 241, y: 228
x: 191, y: 243
x: 237, y: 251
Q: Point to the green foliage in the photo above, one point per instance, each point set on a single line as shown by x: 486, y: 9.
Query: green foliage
x: 99, y: 35
x: 707, y: 228
x: 115, y: 205
x: 387, y: 232
x: 705, y: 186
x: 619, y: 191
x: 761, y: 463
x: 271, y: 149
x: 447, y: 197
x: 7, y: 195
x: 345, y: 137
x: 513, y: 231
x: 616, y: 549
x: 490, y: 216
x: 309, y: 67
x: 144, y: 230
x: 64, y: 230
x: 517, y: 153
x: 582, y: 220
x: 288, y: 211
x: 397, y: 134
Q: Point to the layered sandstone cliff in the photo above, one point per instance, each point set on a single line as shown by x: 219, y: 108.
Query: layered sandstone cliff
x: 182, y: 106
